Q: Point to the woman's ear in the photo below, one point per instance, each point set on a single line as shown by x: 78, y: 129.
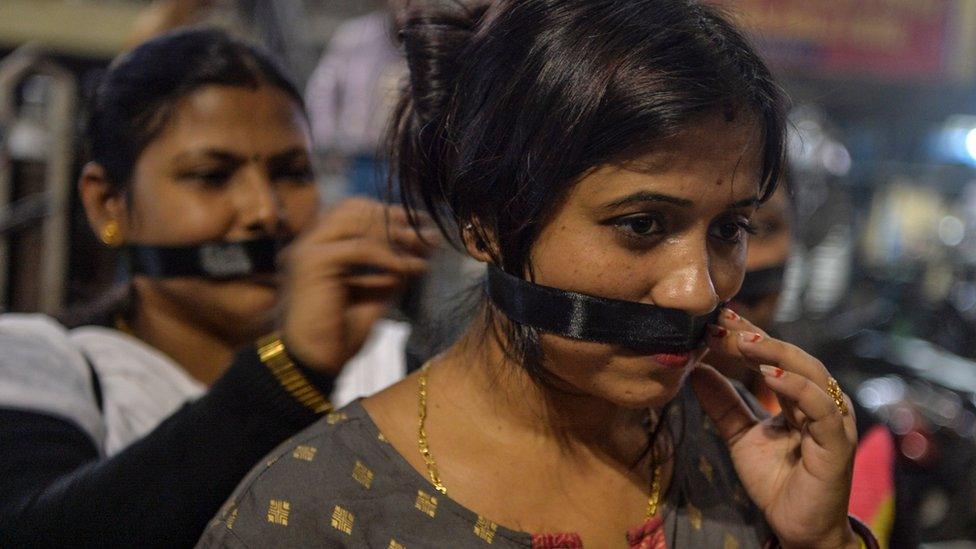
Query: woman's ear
x: 104, y: 204
x: 476, y: 243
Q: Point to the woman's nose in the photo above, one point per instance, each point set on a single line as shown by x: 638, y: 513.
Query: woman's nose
x: 259, y: 208
x: 690, y: 288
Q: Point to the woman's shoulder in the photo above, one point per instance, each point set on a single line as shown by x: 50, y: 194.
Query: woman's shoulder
x: 319, y: 450
x: 308, y: 488
x: 340, y: 483
x: 41, y: 370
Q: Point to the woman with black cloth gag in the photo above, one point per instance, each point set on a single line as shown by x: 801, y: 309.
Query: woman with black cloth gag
x: 604, y: 160
x: 131, y: 431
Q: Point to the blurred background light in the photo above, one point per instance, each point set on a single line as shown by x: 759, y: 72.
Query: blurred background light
x: 971, y: 143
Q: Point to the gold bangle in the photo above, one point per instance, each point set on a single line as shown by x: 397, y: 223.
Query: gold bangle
x: 273, y: 354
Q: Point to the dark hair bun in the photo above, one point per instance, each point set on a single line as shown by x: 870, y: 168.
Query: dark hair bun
x: 434, y: 43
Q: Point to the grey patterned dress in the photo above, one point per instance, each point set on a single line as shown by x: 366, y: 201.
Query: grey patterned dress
x: 340, y: 484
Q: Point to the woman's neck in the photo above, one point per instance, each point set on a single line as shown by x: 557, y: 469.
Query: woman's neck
x: 203, y: 354
x: 501, y: 389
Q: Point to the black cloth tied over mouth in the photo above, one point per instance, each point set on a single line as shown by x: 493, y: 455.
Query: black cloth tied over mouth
x: 761, y: 283
x: 637, y: 326
x: 212, y: 260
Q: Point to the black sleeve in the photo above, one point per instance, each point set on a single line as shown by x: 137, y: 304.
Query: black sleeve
x: 159, y: 492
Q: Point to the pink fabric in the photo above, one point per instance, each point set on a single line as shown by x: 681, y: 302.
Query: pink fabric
x: 649, y: 535
x: 556, y: 541
x: 874, y: 486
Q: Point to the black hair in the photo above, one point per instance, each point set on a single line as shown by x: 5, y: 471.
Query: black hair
x: 141, y: 89
x: 510, y: 102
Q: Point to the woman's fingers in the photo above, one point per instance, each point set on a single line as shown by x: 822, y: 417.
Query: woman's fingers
x: 360, y: 217
x: 419, y: 243
x: 790, y: 372
x: 723, y: 342
x: 733, y: 321
x: 743, y: 339
x: 722, y: 336
x: 794, y: 417
x: 825, y: 422
x: 736, y: 337
x: 722, y: 403
x: 774, y: 352
x: 358, y: 259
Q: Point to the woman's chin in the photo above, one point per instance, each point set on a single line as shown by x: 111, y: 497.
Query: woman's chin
x: 645, y: 394
x: 244, y: 307
x: 252, y: 295
x: 631, y: 381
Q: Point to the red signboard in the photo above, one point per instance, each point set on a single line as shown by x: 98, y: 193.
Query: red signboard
x: 900, y: 39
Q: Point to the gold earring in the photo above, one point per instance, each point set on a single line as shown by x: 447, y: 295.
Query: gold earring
x: 111, y: 235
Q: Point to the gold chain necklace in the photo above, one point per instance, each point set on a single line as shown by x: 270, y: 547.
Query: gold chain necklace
x: 435, y: 479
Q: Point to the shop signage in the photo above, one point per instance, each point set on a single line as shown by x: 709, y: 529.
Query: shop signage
x: 891, y: 39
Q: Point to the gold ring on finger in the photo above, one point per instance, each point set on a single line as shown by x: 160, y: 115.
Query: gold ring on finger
x: 833, y: 389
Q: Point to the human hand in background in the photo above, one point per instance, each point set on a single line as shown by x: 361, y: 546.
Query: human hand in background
x: 342, y: 275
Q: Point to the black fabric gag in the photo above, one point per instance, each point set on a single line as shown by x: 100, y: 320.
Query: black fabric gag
x: 761, y: 283
x: 636, y: 326
x: 212, y: 260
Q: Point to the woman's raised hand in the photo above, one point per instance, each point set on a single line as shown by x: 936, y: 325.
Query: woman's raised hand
x: 340, y: 276
x: 797, y: 466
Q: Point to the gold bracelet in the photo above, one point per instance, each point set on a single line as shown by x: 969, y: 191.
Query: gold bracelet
x: 273, y: 354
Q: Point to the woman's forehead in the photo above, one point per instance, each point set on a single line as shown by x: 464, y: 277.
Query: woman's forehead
x: 714, y: 157
x: 235, y: 117
x: 713, y: 139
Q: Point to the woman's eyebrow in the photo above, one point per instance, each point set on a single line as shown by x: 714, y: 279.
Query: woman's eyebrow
x: 287, y: 156
x: 210, y: 154
x: 642, y: 197
x: 751, y: 202
x: 645, y: 196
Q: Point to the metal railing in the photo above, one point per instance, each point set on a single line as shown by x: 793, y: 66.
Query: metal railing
x: 38, y: 105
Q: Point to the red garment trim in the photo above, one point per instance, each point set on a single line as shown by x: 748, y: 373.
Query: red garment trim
x: 649, y: 535
x: 557, y: 541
